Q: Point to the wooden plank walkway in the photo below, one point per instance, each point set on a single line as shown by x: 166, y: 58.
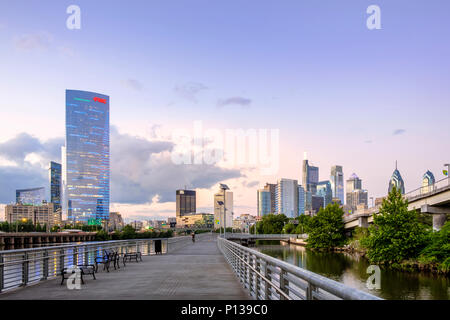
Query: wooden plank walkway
x: 197, y: 271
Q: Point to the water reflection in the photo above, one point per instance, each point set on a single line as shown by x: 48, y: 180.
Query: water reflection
x: 351, y: 270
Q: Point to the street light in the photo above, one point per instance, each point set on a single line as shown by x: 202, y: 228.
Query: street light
x: 448, y: 171
x: 224, y: 188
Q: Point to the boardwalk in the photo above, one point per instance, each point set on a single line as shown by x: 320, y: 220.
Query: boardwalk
x: 197, y: 271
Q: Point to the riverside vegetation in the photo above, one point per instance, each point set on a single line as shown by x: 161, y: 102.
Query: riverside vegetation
x: 398, y: 238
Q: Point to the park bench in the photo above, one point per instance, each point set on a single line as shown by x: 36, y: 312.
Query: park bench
x: 83, y: 269
x: 132, y: 255
x: 108, y: 256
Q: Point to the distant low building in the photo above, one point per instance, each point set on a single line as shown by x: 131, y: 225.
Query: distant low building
x: 200, y: 220
x: 244, y: 222
x: 115, y: 221
x: 43, y: 214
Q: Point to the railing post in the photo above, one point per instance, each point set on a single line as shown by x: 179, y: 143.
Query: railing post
x: 258, y: 279
x: 61, y: 259
x: 2, y: 281
x: 86, y: 254
x: 25, y: 269
x: 75, y: 256
x: 309, y: 291
x: 45, y: 265
x: 283, y: 284
x: 266, y: 285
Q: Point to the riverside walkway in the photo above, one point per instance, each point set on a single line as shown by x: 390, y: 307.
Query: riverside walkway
x: 197, y: 271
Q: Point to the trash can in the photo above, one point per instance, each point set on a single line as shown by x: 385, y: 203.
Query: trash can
x: 158, y: 247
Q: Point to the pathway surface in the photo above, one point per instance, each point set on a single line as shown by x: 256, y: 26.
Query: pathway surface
x: 197, y: 271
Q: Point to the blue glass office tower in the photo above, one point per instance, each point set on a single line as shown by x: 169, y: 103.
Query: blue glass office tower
x: 86, y: 157
x: 55, y: 184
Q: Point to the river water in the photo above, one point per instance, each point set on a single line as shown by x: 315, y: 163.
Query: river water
x: 351, y: 269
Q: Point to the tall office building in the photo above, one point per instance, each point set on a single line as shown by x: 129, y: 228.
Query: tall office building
x: 301, y: 200
x: 428, y: 181
x: 272, y: 188
x: 396, y: 181
x: 33, y: 196
x: 355, y: 195
x: 220, y: 209
x: 337, y: 183
x: 186, y: 202
x: 55, y: 184
x: 264, y: 202
x: 287, y: 197
x: 317, y: 202
x: 324, y: 190
x: 310, y: 177
x: 86, y: 162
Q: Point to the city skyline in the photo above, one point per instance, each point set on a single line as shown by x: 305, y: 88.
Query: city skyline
x: 347, y: 95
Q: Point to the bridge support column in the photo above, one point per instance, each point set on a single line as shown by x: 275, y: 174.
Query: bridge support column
x: 2, y: 241
x: 363, y: 222
x: 439, y: 221
x: 439, y: 215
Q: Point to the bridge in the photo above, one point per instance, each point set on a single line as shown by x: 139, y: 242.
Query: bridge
x: 210, y: 268
x: 434, y: 200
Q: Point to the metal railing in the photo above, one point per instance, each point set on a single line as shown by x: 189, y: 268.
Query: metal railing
x: 424, y: 190
x: 26, y: 266
x: 267, y: 278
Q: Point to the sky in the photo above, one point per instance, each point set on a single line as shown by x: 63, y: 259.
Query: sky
x: 310, y: 70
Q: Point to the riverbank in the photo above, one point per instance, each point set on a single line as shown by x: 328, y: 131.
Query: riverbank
x: 355, y: 248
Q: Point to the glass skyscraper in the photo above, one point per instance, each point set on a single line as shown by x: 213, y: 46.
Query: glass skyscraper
x: 33, y: 196
x: 337, y: 183
x: 396, y: 181
x: 324, y: 190
x: 185, y: 202
x: 264, y: 202
x: 86, y: 157
x: 55, y: 184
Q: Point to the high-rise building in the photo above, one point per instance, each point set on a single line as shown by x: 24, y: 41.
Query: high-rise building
x: 310, y: 177
x: 55, y: 184
x: 301, y: 200
x: 337, y: 183
x: 317, y: 202
x: 264, y: 202
x: 272, y: 188
x: 86, y: 162
x: 186, y: 202
x: 324, y: 190
x: 427, y: 182
x: 310, y: 180
x: 227, y: 207
x: 33, y: 196
x: 287, y: 197
x: 396, y: 181
x: 355, y: 195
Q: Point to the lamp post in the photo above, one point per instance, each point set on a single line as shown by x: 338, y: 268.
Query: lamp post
x: 224, y: 188
x: 221, y: 204
x: 448, y: 172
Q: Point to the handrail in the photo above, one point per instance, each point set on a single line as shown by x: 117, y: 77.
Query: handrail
x: 268, y: 278
x: 423, y: 190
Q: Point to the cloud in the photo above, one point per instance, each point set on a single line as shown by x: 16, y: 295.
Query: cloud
x: 132, y: 84
x: 398, y: 132
x: 368, y: 141
x: 190, y: 90
x: 244, y: 102
x: 142, y: 169
x: 36, y: 41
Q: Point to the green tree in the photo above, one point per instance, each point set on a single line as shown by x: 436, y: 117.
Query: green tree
x: 303, y: 223
x: 396, y: 233
x: 128, y: 232
x: 438, y: 250
x: 326, y: 229
x: 289, y: 228
x: 102, y: 236
x: 271, y: 224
